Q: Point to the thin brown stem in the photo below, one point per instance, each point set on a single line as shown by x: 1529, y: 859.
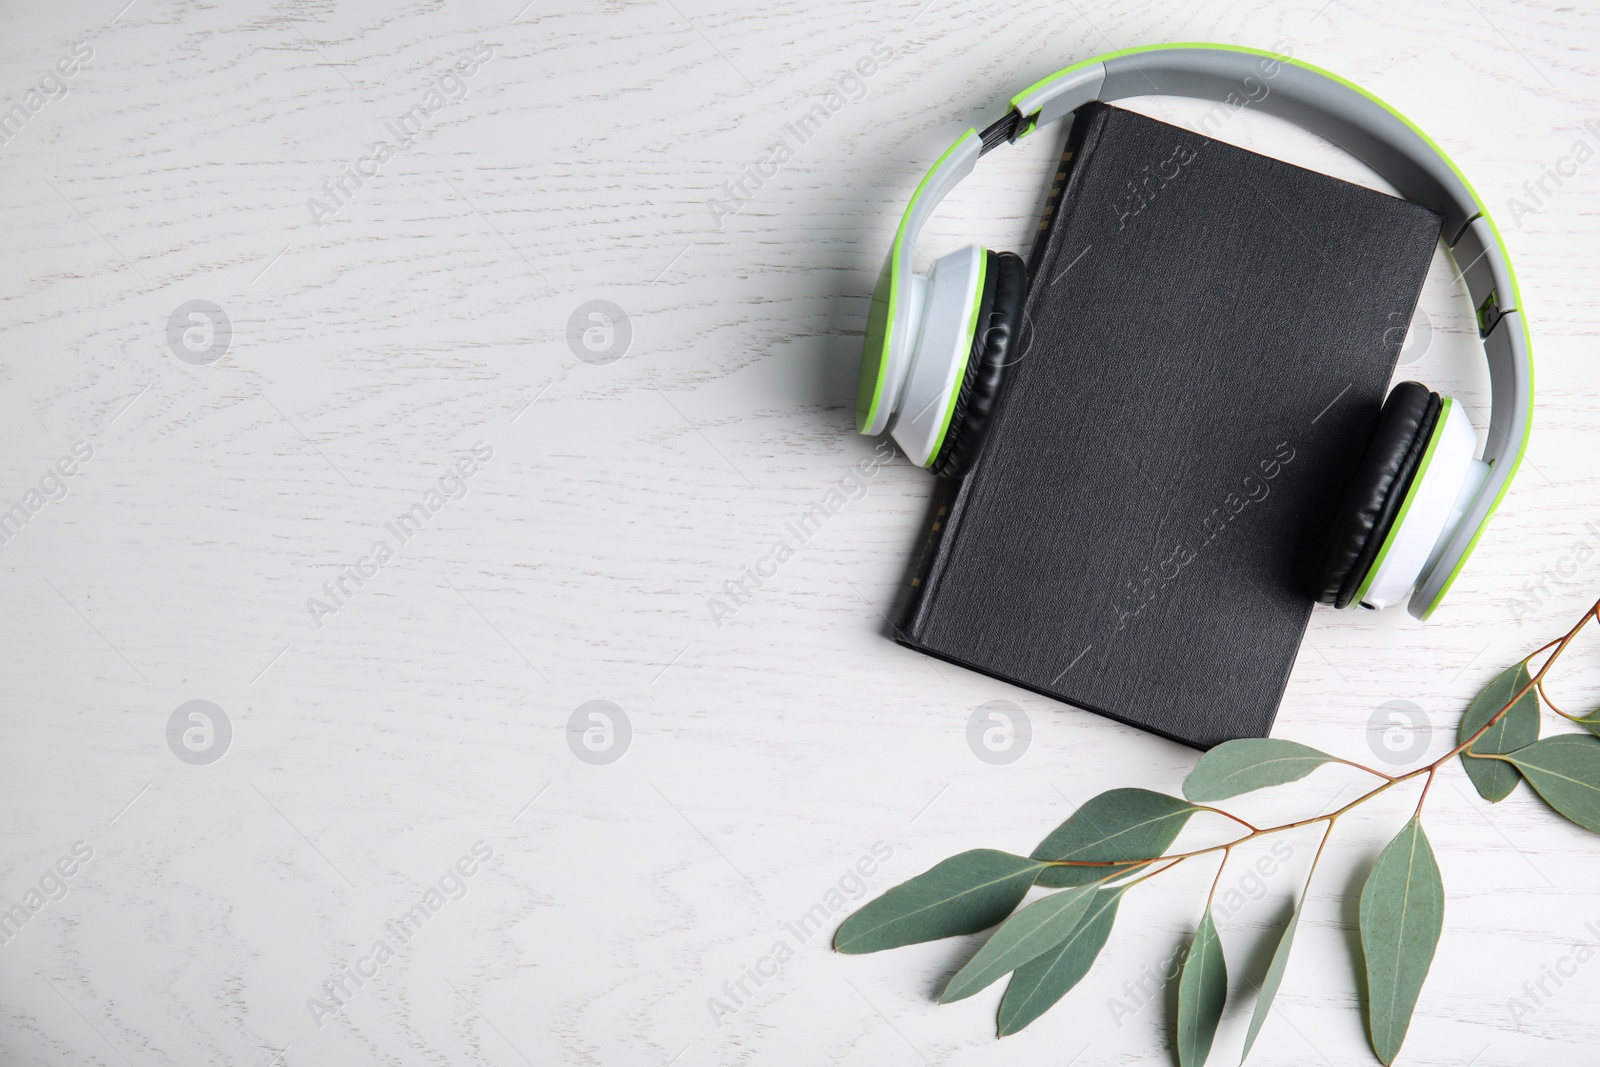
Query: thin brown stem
x: 1101, y: 863
x: 1320, y: 846
x: 1425, y: 787
x: 1227, y: 815
x: 1363, y: 767
x: 1552, y: 704
x: 1215, y: 881
x: 1143, y: 877
x: 1315, y: 859
x: 1547, y: 646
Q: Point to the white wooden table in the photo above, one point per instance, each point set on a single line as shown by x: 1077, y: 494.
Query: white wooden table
x: 386, y: 725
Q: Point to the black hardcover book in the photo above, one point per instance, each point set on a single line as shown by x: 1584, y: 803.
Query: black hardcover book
x: 1209, y: 335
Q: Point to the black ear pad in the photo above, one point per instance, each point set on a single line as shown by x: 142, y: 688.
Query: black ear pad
x: 994, y: 348
x: 1363, y: 520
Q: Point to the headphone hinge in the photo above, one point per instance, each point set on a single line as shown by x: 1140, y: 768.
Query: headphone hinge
x: 1004, y: 131
x: 1489, y: 313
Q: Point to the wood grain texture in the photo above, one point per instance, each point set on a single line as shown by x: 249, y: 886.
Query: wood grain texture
x: 768, y: 755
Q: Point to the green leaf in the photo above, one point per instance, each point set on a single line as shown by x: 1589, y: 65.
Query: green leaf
x: 1235, y: 767
x: 1565, y: 770
x: 1044, y: 980
x: 1274, y: 979
x: 962, y: 895
x: 1202, y: 991
x: 1123, y: 824
x: 1495, y: 779
x: 1034, y: 930
x: 1402, y: 912
x: 1590, y: 722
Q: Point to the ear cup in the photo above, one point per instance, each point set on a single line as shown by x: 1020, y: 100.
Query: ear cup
x: 994, y: 349
x: 1446, y: 483
x: 946, y: 311
x: 1404, y: 427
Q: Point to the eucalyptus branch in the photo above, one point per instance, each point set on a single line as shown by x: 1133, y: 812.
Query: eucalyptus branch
x: 1049, y: 945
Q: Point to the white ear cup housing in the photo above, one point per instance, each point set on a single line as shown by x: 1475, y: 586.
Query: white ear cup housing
x: 1448, y: 477
x: 944, y: 313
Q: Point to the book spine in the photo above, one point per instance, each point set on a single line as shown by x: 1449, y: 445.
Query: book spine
x: 925, y: 576
x: 1084, y: 126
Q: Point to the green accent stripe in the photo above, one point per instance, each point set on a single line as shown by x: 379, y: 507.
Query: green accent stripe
x: 1405, y: 505
x: 895, y: 276
x: 1522, y: 448
x: 966, y: 356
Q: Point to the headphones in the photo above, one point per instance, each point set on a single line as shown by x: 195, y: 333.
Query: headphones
x: 937, y: 348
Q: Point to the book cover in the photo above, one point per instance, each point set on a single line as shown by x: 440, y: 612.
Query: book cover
x: 1208, y: 336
